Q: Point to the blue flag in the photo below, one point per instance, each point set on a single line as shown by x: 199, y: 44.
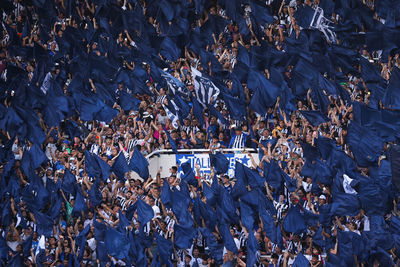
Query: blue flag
x: 117, y: 244
x: 171, y: 142
x: 391, y: 98
x: 300, y: 261
x: 44, y: 224
x: 166, y: 195
x: 314, y: 117
x: 229, y: 243
x: 294, y: 221
x: 365, y: 145
x: 345, y: 204
x: 190, y: 178
x: 128, y: 102
x: 252, y: 248
x: 80, y: 203
x: 219, y: 162
x: 165, y: 249
x: 105, y: 169
x: 139, y: 164
x: 184, y: 236
x: 120, y: 166
x: 68, y: 182
x: 175, y: 85
x: 144, y: 211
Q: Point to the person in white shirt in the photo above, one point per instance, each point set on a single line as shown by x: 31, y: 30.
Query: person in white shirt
x: 150, y: 201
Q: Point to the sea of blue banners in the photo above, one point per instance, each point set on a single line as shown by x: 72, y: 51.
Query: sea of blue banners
x: 317, y: 65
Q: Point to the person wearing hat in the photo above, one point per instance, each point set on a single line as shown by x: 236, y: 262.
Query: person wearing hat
x: 321, y: 200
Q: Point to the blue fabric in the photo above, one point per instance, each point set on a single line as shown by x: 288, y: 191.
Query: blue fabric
x: 189, y: 177
x: 184, y: 236
x: 139, y: 164
x: 166, y: 195
x: 91, y: 165
x: 236, y: 107
x: 226, y: 206
x: 81, y: 240
x: 252, y: 248
x: 68, y: 183
x: 239, y: 189
x: 197, y: 111
x: 265, y: 92
x: 144, y: 211
x: 247, y: 216
x: 345, y: 204
x: 44, y: 224
x: 164, y: 248
x: 117, y: 244
x: 229, y: 243
x: 169, y: 50
x: 300, y: 261
x: 294, y: 221
x: 364, y: 144
x: 128, y: 102
x: 105, y: 169
x: 272, y: 174
x: 80, y: 203
x: 219, y: 162
x: 171, y: 142
x: 391, y: 98
x: 120, y: 166
x: 314, y: 117
x: 216, y: 249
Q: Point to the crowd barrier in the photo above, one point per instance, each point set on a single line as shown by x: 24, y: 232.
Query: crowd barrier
x: 166, y: 158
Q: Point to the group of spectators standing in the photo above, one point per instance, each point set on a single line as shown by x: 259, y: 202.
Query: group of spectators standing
x: 70, y: 50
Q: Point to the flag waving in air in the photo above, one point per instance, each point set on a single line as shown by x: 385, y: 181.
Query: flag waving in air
x: 205, y: 89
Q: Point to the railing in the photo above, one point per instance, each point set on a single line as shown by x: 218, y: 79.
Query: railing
x: 194, y: 151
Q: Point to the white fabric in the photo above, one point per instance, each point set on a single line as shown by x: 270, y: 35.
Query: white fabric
x: 346, y: 185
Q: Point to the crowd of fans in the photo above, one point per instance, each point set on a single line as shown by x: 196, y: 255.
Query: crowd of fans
x: 43, y: 45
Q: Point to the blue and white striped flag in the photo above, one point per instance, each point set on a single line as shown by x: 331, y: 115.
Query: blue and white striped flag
x: 175, y: 85
x: 206, y: 91
x: 174, y: 118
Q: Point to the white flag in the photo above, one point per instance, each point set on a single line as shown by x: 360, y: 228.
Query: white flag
x: 346, y: 185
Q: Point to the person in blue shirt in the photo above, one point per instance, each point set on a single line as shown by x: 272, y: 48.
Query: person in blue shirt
x: 238, y: 139
x: 212, y: 129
